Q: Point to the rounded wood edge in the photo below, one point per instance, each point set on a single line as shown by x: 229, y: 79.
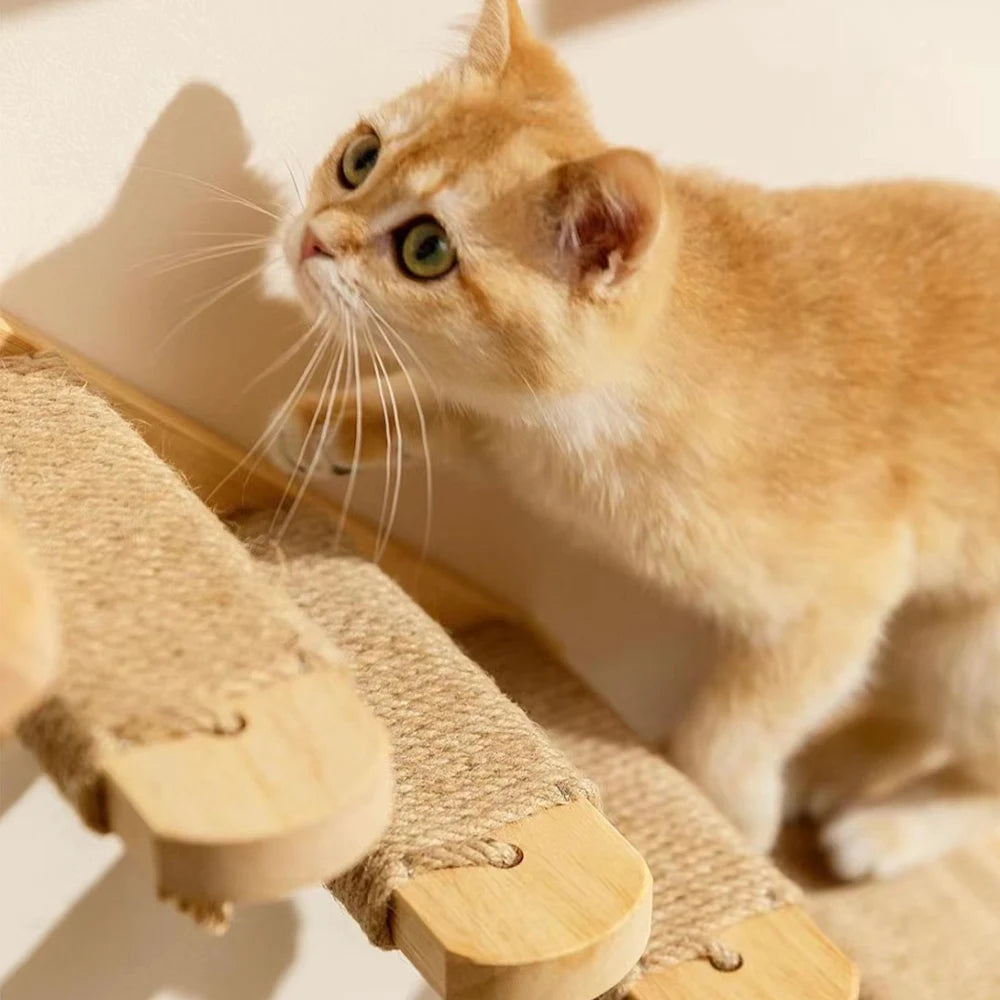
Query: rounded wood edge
x: 570, y: 921
x: 299, y: 795
x: 785, y: 957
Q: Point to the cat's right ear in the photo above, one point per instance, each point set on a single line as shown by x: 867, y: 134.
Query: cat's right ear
x: 498, y: 32
x: 601, y: 217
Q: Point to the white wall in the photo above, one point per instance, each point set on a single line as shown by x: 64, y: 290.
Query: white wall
x: 779, y: 91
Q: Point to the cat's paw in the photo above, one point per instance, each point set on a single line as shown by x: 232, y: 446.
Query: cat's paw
x: 929, y: 818
x: 875, y: 842
x: 865, y: 761
x: 321, y: 438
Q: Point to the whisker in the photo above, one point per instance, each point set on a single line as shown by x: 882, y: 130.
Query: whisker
x: 384, y: 323
x: 226, y: 232
x: 353, y: 478
x: 203, y: 257
x: 399, y: 457
x: 295, y: 185
x: 329, y: 386
x: 227, y: 288
x: 200, y: 294
x: 425, y: 445
x: 274, y: 426
x: 216, y: 188
x: 282, y: 358
x: 174, y: 255
x: 388, y: 448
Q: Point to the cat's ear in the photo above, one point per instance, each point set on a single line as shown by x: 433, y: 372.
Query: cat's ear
x: 499, y: 30
x: 604, y: 213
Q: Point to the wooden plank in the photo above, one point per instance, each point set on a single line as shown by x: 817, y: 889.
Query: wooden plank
x: 785, y: 957
x: 570, y: 921
x: 297, y: 794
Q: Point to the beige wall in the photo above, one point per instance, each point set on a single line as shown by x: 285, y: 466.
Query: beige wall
x: 779, y: 91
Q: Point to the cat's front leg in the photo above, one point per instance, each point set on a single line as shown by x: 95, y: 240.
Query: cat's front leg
x: 328, y: 434
x: 761, y: 702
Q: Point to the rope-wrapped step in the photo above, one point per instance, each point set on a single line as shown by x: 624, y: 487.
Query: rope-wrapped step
x: 466, y: 764
x: 497, y: 876
x: 180, y: 663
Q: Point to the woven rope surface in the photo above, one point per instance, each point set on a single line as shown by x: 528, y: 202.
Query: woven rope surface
x: 467, y: 761
x: 704, y: 877
x: 165, y: 618
x: 929, y: 934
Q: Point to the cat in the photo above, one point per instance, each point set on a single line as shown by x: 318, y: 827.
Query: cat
x: 780, y: 407
x: 29, y: 633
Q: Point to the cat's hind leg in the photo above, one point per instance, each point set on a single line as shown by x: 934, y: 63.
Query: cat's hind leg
x: 931, y: 817
x: 942, y: 668
x: 870, y: 754
x: 762, y: 701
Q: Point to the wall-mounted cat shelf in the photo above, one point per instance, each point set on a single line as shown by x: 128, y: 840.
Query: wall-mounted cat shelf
x: 568, y: 917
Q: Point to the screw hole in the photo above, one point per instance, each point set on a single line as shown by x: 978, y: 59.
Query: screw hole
x: 516, y: 857
x: 231, y: 727
x: 723, y: 959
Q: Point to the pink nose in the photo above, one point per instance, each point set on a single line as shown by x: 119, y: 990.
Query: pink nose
x: 311, y: 246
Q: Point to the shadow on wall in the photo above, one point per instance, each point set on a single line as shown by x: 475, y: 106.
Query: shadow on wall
x: 8, y: 8
x: 18, y: 771
x: 118, y: 289
x: 119, y: 943
x: 561, y: 16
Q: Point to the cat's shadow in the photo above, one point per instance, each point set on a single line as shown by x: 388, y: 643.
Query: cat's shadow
x: 116, y: 293
x: 562, y: 16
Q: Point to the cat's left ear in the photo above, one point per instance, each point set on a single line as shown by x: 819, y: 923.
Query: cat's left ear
x: 501, y: 27
x: 602, y: 215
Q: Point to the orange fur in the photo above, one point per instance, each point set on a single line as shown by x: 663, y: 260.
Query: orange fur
x: 781, y: 406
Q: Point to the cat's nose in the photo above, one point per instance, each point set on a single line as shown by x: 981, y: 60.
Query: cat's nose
x: 312, y: 246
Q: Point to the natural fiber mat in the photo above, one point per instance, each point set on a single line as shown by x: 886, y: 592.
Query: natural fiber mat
x: 165, y: 618
x: 467, y: 761
x: 931, y: 934
x: 705, y: 879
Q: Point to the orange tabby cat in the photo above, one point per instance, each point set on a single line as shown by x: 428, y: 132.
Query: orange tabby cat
x: 782, y: 407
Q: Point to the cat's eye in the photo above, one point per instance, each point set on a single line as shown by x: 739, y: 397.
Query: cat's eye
x: 424, y: 249
x: 359, y: 160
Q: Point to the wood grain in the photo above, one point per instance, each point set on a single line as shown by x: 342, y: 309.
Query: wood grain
x: 570, y: 921
x: 785, y: 957
x: 299, y: 794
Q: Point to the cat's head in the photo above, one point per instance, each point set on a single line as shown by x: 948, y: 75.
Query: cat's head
x: 482, y: 218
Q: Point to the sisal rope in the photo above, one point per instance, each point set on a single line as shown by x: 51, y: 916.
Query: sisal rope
x: 705, y: 878
x: 166, y: 621
x: 467, y: 761
x: 929, y: 934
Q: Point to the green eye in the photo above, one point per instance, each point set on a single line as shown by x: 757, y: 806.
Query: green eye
x: 424, y: 249
x: 359, y: 160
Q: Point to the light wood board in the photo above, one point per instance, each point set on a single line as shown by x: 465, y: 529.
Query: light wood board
x: 570, y: 921
x: 785, y: 957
